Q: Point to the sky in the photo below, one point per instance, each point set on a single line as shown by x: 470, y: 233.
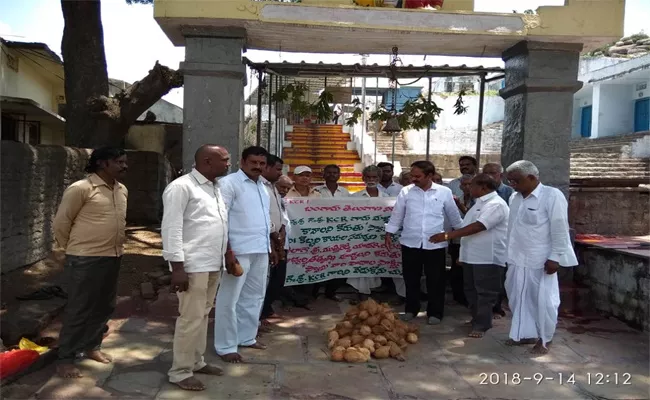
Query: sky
x: 134, y: 41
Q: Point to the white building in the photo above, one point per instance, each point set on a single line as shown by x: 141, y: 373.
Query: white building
x: 614, y: 99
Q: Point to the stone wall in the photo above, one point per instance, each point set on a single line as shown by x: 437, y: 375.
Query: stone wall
x: 619, y: 283
x: 446, y: 164
x: 165, y: 139
x: 33, y: 179
x: 610, y: 211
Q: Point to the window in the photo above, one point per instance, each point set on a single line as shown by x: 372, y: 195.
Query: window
x: 17, y: 128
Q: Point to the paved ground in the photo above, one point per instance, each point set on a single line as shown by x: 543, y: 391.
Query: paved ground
x: 445, y: 364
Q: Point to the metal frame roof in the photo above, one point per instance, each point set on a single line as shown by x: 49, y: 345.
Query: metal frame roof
x: 321, y: 69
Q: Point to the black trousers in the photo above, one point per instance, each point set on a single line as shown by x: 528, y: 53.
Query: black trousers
x: 498, y: 306
x: 482, y: 287
x: 456, y: 275
x: 433, y: 263
x: 275, y: 288
x: 92, y: 291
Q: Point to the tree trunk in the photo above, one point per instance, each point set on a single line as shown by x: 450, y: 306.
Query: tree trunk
x: 92, y: 118
x: 86, y: 75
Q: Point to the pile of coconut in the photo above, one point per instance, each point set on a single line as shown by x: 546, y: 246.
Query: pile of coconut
x: 370, y: 329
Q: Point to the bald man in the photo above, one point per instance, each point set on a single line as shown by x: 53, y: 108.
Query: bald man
x: 194, y: 237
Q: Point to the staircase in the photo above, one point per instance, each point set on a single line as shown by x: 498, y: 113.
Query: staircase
x: 603, y: 165
x: 319, y: 145
x: 613, y: 144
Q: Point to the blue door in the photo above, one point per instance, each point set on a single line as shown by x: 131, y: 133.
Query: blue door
x: 642, y: 115
x: 585, y: 122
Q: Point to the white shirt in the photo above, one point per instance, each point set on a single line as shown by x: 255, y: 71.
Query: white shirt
x: 422, y: 214
x: 538, y: 229
x: 364, y: 193
x: 249, y: 219
x: 392, y: 190
x: 195, y: 223
x: 488, y: 246
x: 326, y: 193
x: 275, y: 209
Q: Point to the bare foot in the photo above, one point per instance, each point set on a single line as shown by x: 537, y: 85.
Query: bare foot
x: 496, y: 316
x: 191, y: 384
x: 233, y: 358
x: 256, y: 346
x: 68, y: 371
x: 539, y: 348
x: 522, y: 342
x: 210, y: 370
x: 99, y: 356
x: 264, y: 329
x: 476, y: 334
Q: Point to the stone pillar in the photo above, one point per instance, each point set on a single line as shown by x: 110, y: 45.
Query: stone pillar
x: 541, y: 79
x: 213, y: 91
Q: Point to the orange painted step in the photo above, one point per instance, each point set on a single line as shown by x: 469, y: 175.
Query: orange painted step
x: 323, y: 162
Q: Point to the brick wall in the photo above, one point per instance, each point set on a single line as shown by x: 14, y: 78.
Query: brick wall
x: 610, y: 211
x: 33, y: 179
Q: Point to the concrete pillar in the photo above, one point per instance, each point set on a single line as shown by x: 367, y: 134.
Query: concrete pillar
x: 213, y: 91
x: 541, y: 79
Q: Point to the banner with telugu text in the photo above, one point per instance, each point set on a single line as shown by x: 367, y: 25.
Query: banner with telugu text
x: 339, y: 238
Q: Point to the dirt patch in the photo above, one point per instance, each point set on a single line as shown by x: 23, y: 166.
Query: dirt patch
x: 142, y: 256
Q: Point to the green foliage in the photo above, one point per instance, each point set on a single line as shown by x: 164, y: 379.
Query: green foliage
x: 293, y: 94
x: 459, y: 107
x: 356, y: 114
x: 322, y: 107
x: 415, y: 114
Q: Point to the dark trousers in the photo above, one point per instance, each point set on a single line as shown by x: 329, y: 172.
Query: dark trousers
x: 92, y: 291
x: 432, y: 262
x: 482, y: 287
x: 331, y: 287
x: 275, y: 287
x: 456, y: 280
x: 498, y: 306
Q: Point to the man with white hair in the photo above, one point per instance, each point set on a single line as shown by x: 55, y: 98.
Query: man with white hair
x: 538, y: 244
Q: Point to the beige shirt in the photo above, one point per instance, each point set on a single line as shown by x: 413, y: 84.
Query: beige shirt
x: 92, y: 218
x: 294, y: 193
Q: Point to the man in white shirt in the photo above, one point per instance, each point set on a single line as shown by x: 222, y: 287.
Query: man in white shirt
x: 495, y: 170
x: 194, y: 236
x: 468, y: 166
x: 271, y: 174
x: 482, y: 250
x: 538, y: 244
x: 387, y: 185
x: 331, y: 188
x: 240, y: 298
x: 420, y: 212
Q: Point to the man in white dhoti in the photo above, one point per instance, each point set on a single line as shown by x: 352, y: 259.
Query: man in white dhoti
x: 538, y: 244
x: 371, y: 177
x: 240, y: 298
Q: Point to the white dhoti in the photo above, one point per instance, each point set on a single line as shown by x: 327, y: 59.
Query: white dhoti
x: 400, y: 287
x: 534, y: 299
x: 239, y: 304
x: 364, y: 285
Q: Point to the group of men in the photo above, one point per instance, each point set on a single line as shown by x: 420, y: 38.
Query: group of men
x: 491, y: 226
x: 221, y: 232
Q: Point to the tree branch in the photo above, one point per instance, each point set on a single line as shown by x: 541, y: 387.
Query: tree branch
x: 144, y: 93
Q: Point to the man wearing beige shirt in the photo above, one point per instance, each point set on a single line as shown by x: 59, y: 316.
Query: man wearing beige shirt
x: 89, y: 225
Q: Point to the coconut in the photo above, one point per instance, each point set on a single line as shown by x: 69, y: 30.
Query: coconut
x: 382, y: 352
x: 412, y: 338
x: 365, y: 330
